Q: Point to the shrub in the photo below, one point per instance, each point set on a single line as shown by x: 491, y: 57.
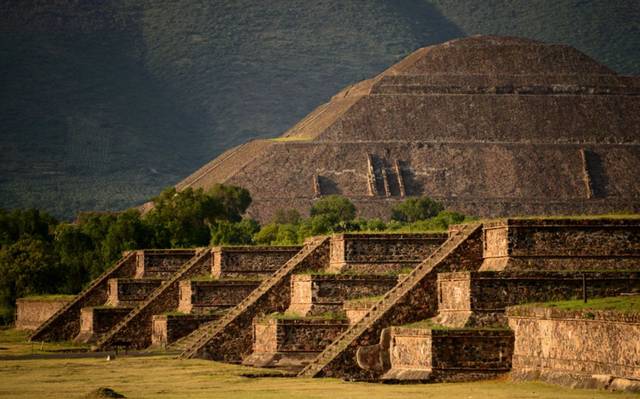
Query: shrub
x: 416, y: 208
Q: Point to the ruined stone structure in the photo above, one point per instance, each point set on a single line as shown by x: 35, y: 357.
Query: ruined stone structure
x: 446, y: 318
x: 491, y: 126
x: 32, y: 312
x: 585, y: 349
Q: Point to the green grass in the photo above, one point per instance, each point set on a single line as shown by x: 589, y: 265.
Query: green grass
x: 164, y: 377
x: 52, y: 297
x: 14, y: 342
x: 624, y: 304
x: 295, y: 316
x: 429, y: 324
x: 367, y: 300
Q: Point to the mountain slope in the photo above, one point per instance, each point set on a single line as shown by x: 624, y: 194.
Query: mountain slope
x: 105, y: 103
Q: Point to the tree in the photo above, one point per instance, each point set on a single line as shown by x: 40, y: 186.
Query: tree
x: 416, y: 208
x: 27, y: 267
x: 335, y: 208
x: 234, y: 200
x: 76, y: 252
x: 229, y: 233
x: 287, y: 216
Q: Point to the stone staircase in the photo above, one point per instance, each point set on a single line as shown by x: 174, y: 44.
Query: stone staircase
x: 231, y: 335
x: 134, y: 330
x: 450, y: 255
x: 65, y: 323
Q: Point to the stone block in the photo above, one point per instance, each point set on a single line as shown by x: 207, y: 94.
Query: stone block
x: 257, y: 261
x: 201, y: 297
x: 168, y: 328
x: 95, y: 321
x: 313, y: 294
x: 161, y: 263
x: 381, y: 253
x: 129, y: 292
x: 32, y: 312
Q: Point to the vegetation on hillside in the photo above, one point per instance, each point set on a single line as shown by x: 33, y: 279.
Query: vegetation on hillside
x: 105, y: 103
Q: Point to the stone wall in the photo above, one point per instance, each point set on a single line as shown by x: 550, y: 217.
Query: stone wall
x: 200, y: 297
x: 65, y: 324
x: 136, y: 332
x: 95, y: 321
x: 128, y: 292
x: 420, y: 302
x: 315, y: 294
x: 448, y: 355
x: 161, y: 263
x: 232, y: 340
x: 168, y: 328
x: 380, y: 253
x: 562, y: 244
x: 290, y: 344
x: 477, y: 299
x: 231, y: 262
x: 31, y: 313
x: 576, y: 348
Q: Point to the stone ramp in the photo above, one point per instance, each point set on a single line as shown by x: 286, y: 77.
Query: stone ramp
x: 65, y: 323
x: 230, y: 338
x: 134, y: 330
x: 413, y: 299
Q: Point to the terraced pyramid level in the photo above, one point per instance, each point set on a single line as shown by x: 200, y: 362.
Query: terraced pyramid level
x: 491, y: 126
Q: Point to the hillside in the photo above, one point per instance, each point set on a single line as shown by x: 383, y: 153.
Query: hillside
x: 105, y: 103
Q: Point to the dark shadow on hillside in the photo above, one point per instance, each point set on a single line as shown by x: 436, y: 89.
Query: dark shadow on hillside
x: 428, y: 25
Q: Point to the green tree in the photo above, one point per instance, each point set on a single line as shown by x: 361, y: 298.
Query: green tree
x: 416, y: 208
x: 225, y: 232
x: 234, y: 200
x: 335, y: 208
x: 76, y: 252
x: 287, y: 216
x: 27, y: 267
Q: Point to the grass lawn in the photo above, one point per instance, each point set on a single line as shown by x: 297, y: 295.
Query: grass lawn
x: 14, y: 342
x: 164, y: 376
x: 624, y: 304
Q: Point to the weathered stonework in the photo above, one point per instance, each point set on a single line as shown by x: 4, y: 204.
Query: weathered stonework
x: 203, y: 297
x: 291, y: 344
x: 424, y: 354
x: 64, y: 325
x: 31, y: 313
x: 380, y: 253
x: 356, y: 309
x: 576, y: 348
x: 242, y: 261
x: 96, y: 321
x: 231, y: 339
x: 562, y: 244
x: 129, y: 292
x: 161, y: 263
x: 314, y: 294
x: 478, y: 299
x: 168, y: 328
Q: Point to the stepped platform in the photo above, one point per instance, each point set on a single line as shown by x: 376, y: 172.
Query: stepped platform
x: 561, y: 244
x: 161, y: 263
x: 314, y: 294
x: 479, y: 299
x: 249, y: 261
x: 356, y: 309
x: 290, y: 344
x: 98, y: 320
x: 425, y: 354
x: 140, y: 264
x: 128, y: 292
x: 203, y: 296
x: 169, y: 328
x: 380, y: 253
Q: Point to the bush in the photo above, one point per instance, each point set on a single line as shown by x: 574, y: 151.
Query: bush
x: 230, y: 233
x: 417, y: 208
x: 335, y: 210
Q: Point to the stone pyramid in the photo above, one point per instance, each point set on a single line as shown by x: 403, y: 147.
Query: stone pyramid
x: 490, y: 126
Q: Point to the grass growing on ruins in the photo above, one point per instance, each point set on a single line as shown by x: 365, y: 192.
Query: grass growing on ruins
x: 625, y: 304
x: 52, y: 297
x: 296, y: 316
x: 429, y: 324
x: 167, y: 377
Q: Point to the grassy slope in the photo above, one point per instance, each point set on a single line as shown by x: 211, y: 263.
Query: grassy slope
x: 165, y: 377
x: 625, y: 304
x: 103, y: 105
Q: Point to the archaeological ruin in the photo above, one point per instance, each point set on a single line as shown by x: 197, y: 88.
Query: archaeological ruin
x: 492, y: 127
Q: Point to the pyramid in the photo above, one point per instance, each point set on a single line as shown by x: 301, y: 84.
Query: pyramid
x: 490, y: 126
